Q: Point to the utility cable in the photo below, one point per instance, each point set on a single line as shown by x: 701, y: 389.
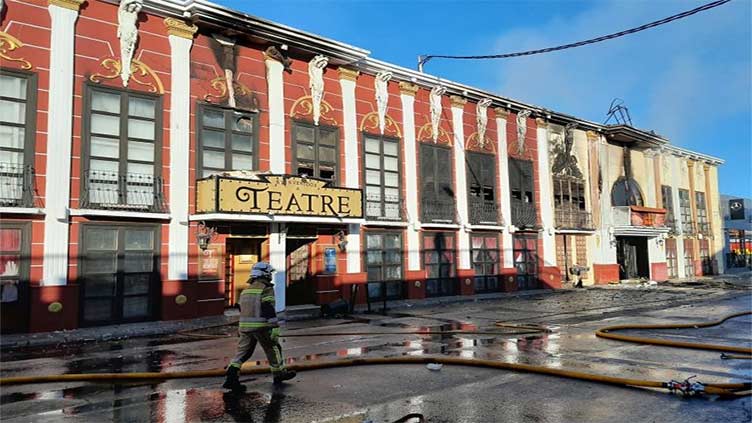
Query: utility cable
x: 422, y: 60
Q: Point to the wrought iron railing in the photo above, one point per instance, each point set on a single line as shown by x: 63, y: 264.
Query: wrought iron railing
x: 130, y: 191
x: 482, y: 211
x: 16, y: 185
x: 703, y: 228
x: 523, y: 215
x: 672, y: 225
x: 436, y: 211
x: 387, y: 209
x: 688, y: 228
x: 573, y: 219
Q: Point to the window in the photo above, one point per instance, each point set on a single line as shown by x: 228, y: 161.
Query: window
x: 668, y: 204
x: 17, y: 132
x: 706, y: 260
x: 672, y: 260
x: 228, y: 140
x: 485, y: 255
x: 439, y: 262
x: 685, y: 209
x: 521, y: 189
x: 315, y: 150
x: 122, y: 167
x: 384, y: 265
x: 437, y: 194
x: 382, y: 177
x: 689, y: 261
x: 569, y: 203
x: 120, y: 267
x: 525, y: 253
x: 14, y: 276
x: 626, y: 192
x: 702, y: 213
x: 481, y: 177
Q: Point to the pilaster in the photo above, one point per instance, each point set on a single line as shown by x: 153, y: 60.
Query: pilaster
x: 506, y: 202
x: 347, y: 82
x: 275, y: 85
x: 460, y: 182
x: 546, y: 207
x: 407, y: 97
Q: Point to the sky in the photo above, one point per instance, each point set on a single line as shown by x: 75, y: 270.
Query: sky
x: 689, y: 80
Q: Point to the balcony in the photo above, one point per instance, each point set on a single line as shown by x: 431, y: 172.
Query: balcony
x: 391, y: 209
x: 435, y: 211
x: 523, y: 215
x: 638, y: 220
x: 704, y: 228
x: 483, y: 212
x: 16, y: 185
x: 672, y: 225
x: 129, y: 192
x: 573, y: 219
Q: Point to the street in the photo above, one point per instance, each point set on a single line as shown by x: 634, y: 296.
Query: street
x: 386, y: 393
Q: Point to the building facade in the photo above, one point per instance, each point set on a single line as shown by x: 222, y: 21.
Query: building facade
x: 153, y: 150
x: 737, y: 230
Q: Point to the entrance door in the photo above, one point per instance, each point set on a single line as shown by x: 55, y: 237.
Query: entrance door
x: 301, y: 288
x: 120, y: 274
x: 632, y: 257
x: 525, y: 254
x: 242, y: 254
x: 14, y: 277
x: 439, y: 262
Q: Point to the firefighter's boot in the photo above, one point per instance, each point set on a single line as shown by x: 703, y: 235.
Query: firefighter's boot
x: 232, y: 380
x: 283, y: 375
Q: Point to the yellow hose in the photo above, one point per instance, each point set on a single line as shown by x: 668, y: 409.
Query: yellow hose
x: 722, y: 389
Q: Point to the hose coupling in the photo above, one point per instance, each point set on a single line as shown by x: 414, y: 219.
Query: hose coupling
x: 686, y: 388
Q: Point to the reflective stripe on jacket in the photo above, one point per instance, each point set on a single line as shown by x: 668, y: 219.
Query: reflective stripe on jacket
x: 257, y: 307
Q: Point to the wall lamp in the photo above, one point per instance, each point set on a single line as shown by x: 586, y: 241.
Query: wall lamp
x: 204, y: 235
x: 341, y: 241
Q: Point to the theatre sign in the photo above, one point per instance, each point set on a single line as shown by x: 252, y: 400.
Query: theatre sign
x: 277, y: 195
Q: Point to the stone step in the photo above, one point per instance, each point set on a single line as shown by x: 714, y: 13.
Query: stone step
x: 302, y: 312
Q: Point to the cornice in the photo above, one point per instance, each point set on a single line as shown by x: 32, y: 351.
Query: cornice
x: 501, y: 112
x: 179, y: 28
x: 407, y: 88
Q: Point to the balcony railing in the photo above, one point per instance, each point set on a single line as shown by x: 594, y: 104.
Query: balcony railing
x: 435, y: 211
x: 639, y: 216
x: 523, y: 215
x: 390, y: 209
x: 688, y: 228
x: 482, y: 211
x: 703, y: 228
x: 130, y: 191
x: 573, y: 219
x: 16, y: 185
x: 672, y: 225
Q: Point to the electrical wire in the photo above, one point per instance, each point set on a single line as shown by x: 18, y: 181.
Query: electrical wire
x: 424, y: 59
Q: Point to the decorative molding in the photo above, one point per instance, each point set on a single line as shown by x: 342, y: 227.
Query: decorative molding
x: 474, y: 140
x: 316, y: 83
x: 9, y: 43
x: 407, y: 88
x: 458, y: 101
x: 179, y: 28
x: 67, y: 4
x: 592, y: 136
x: 219, y: 85
x: 371, y: 123
x: 127, y: 32
x: 522, y: 129
x: 303, y: 108
x: 541, y: 123
x: 381, y: 85
x: 426, y: 133
x: 501, y: 112
x: 481, y: 120
x: 435, y: 103
x: 274, y: 54
x: 348, y: 74
x: 565, y: 162
x: 139, y: 70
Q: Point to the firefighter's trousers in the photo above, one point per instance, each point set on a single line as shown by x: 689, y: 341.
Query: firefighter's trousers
x: 247, y: 344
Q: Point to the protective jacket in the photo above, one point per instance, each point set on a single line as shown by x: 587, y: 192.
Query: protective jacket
x: 257, y: 307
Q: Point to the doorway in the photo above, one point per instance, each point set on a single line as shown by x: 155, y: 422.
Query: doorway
x: 242, y: 254
x: 525, y: 253
x: 301, y: 287
x: 15, y: 247
x: 632, y: 257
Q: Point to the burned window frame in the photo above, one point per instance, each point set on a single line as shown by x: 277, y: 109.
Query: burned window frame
x: 228, y: 132
x: 316, y: 144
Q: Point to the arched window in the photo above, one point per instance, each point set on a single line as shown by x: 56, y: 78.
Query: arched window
x: 626, y: 192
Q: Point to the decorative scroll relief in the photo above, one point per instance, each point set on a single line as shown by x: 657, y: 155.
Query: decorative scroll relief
x: 128, y: 34
x: 9, y: 43
x: 522, y: 129
x: 372, y: 121
x: 474, y: 141
x: 481, y: 119
x: 316, y: 83
x: 435, y: 102
x: 426, y: 132
x: 220, y: 84
x: 565, y: 162
x: 303, y: 108
x: 139, y: 71
x: 382, y: 96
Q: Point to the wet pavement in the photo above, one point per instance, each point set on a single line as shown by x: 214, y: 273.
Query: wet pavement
x: 386, y: 393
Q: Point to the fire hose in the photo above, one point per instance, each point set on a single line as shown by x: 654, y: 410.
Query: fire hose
x: 686, y: 387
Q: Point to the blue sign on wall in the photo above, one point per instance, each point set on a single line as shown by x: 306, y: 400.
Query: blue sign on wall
x: 330, y: 260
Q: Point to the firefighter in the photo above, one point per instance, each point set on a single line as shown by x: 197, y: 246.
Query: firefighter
x: 258, y: 324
